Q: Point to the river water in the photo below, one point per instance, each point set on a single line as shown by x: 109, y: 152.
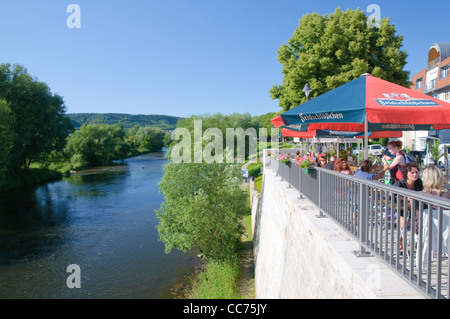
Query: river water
x: 102, y: 220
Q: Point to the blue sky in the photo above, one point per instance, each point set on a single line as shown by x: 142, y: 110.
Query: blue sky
x: 181, y: 57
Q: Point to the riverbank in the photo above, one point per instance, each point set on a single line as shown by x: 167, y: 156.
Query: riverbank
x: 231, y: 279
x: 32, y: 176
x: 37, y: 175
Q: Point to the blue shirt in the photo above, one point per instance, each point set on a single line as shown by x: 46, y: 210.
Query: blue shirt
x: 359, y: 173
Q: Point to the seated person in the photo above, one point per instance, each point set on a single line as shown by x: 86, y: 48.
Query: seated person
x: 342, y: 166
x: 411, y: 179
x: 321, y: 161
x: 330, y: 164
x: 366, y: 171
x: 433, y: 180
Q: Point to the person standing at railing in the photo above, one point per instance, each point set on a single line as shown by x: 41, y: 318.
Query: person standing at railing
x: 395, y: 168
x: 411, y: 181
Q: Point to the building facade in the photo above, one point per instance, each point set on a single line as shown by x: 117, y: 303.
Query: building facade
x: 434, y: 80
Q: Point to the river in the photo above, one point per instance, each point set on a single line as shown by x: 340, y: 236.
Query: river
x: 102, y: 220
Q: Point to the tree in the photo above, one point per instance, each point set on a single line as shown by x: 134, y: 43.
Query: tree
x: 264, y: 122
x: 149, y: 138
x: 203, y: 202
x: 39, y: 124
x: 6, y: 138
x: 327, y: 51
x: 96, y: 144
x: 202, y: 208
x: 223, y: 122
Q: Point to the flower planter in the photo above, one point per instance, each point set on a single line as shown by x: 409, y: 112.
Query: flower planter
x: 308, y: 171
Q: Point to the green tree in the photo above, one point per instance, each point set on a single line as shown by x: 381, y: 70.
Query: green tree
x: 202, y: 208
x: 6, y: 138
x: 223, y: 122
x: 327, y: 51
x: 203, y: 202
x: 167, y: 140
x: 96, y: 144
x: 264, y: 122
x: 39, y: 124
x: 121, y: 147
x: 149, y: 138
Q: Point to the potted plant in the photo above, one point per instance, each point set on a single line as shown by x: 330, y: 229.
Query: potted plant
x: 285, y: 159
x: 306, y: 164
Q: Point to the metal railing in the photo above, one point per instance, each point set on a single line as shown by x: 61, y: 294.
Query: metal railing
x: 389, y: 222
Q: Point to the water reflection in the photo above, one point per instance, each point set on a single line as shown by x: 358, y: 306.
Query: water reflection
x: 98, y: 181
x: 28, y: 220
x: 104, y: 221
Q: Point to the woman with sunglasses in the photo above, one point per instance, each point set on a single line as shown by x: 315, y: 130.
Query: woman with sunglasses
x: 321, y: 161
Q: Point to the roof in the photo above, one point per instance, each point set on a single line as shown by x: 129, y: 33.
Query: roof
x: 444, y: 49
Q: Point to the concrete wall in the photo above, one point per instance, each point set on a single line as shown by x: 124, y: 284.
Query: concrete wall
x: 298, y: 255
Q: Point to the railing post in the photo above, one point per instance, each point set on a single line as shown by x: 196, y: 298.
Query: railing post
x: 319, y: 178
x: 300, y: 196
x: 362, y: 222
x: 289, y: 165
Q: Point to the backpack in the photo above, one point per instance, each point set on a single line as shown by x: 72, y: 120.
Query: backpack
x: 397, y: 171
x: 409, y: 158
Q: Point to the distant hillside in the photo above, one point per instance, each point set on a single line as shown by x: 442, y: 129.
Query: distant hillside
x: 164, y: 122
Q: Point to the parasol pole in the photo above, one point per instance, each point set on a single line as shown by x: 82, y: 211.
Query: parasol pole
x: 366, y: 137
x: 337, y: 147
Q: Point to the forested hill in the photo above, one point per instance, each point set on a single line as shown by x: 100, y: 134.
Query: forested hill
x: 164, y: 122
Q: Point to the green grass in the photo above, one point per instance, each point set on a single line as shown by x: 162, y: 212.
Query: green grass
x: 254, y: 169
x: 247, y: 220
x: 218, y: 280
x: 258, y: 183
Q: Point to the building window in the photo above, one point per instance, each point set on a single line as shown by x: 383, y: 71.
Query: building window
x: 433, y: 83
x: 446, y: 96
x: 419, y: 83
x: 444, y: 72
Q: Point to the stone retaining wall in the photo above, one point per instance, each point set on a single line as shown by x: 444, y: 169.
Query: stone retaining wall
x: 298, y: 255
